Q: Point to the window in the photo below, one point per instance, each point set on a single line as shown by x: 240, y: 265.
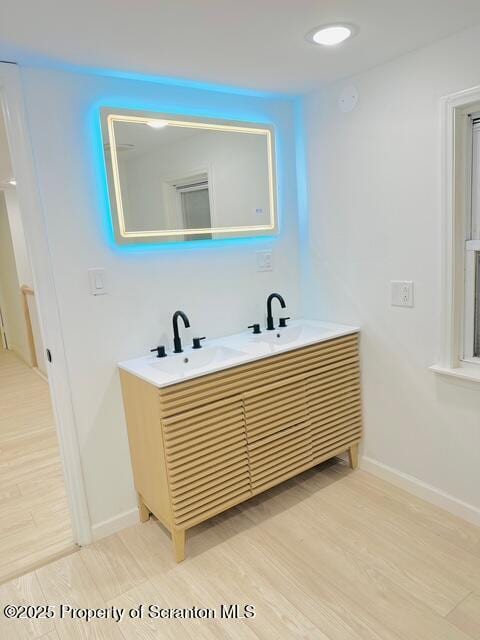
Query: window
x: 471, y: 343
x: 195, y: 206
x: 476, y: 338
x: 459, y: 348
x: 190, y: 201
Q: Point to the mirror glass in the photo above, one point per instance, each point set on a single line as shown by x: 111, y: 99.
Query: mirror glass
x: 177, y: 179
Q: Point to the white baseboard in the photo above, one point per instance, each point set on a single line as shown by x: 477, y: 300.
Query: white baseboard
x: 402, y: 480
x: 40, y: 374
x: 20, y: 354
x: 117, y: 523
x: 422, y: 490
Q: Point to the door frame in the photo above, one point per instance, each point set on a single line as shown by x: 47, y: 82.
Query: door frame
x: 32, y: 214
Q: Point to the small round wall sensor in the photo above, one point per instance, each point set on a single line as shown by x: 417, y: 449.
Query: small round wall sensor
x: 348, y: 99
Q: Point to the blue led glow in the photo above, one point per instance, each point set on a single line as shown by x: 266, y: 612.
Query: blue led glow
x: 216, y: 87
x: 169, y: 105
x: 301, y: 166
x: 188, y: 84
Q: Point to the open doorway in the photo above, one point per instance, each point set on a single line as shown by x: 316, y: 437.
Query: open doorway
x: 35, y: 523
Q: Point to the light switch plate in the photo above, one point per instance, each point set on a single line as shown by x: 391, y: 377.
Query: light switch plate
x: 264, y: 260
x: 402, y: 293
x: 96, y: 278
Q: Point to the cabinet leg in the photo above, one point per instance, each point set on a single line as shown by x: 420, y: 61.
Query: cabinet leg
x: 353, y: 456
x: 143, y: 510
x: 178, y: 539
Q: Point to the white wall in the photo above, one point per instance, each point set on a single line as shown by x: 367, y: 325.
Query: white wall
x: 10, y: 294
x: 20, y: 250
x: 216, y: 285
x: 374, y: 208
x: 23, y: 277
x: 6, y: 172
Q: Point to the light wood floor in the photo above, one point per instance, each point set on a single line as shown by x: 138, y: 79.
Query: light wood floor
x: 34, y: 520
x: 331, y: 555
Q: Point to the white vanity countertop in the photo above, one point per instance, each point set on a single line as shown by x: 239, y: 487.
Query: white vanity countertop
x: 231, y: 351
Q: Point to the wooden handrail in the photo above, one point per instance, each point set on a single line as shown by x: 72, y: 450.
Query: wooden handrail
x: 28, y: 291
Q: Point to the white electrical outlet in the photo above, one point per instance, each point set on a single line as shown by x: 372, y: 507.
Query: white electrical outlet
x: 402, y: 293
x: 264, y: 260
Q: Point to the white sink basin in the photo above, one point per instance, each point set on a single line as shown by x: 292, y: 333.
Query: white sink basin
x: 290, y: 335
x: 192, y: 360
x: 231, y: 351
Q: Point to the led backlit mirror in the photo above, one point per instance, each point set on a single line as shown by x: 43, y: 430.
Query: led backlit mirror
x: 174, y: 179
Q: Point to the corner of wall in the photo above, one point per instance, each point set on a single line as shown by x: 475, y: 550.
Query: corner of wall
x: 302, y: 199
x: 422, y: 490
x: 113, y: 525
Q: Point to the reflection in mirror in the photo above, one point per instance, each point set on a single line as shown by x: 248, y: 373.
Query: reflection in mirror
x: 174, y: 179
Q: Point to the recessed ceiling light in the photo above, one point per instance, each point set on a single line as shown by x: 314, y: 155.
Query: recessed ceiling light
x: 13, y: 182
x: 157, y: 124
x: 331, y: 34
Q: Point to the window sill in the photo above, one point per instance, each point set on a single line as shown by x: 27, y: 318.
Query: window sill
x: 464, y: 371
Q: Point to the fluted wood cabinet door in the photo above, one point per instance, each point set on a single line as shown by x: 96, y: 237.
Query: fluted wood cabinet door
x: 207, y: 460
x: 334, y: 402
x: 278, y: 432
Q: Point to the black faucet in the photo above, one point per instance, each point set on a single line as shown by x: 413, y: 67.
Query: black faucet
x: 177, y: 343
x: 270, y: 325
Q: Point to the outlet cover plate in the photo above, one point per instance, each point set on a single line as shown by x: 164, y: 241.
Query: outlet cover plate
x: 402, y: 293
x: 97, y: 280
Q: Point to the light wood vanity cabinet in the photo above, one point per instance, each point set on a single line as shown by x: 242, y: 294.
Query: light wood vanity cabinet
x: 207, y: 460
x: 204, y: 445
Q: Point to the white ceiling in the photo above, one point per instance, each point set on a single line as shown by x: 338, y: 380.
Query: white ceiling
x: 144, y: 138
x: 246, y: 43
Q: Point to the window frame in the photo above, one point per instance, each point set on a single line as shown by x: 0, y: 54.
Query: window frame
x: 456, y: 131
x: 472, y: 242
x: 472, y: 253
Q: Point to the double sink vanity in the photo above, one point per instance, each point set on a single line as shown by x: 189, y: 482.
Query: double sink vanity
x: 219, y: 422
x: 215, y: 423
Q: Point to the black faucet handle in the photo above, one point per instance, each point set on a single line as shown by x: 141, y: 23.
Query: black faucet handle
x: 255, y: 327
x: 160, y: 351
x: 283, y: 322
x: 196, y: 343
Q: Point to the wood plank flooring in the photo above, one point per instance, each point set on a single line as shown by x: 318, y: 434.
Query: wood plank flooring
x: 334, y: 554
x: 34, y: 518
